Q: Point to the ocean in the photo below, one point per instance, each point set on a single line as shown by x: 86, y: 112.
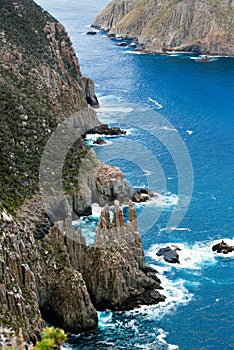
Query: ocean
x: 178, y: 114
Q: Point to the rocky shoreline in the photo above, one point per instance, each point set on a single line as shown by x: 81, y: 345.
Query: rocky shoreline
x: 47, y: 271
x: 60, y: 279
x: 161, y: 27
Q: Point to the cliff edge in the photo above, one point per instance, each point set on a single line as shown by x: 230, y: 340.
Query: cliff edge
x: 206, y: 27
x: 47, y: 272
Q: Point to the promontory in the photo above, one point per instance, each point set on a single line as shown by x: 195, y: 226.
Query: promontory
x: 47, y: 271
x: 205, y: 27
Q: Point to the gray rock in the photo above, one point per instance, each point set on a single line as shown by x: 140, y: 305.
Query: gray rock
x: 169, y: 254
x: 99, y: 141
x: 120, y: 280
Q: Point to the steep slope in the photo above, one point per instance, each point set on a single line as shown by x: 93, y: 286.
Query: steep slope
x: 206, y: 26
x: 40, y: 84
x: 46, y: 269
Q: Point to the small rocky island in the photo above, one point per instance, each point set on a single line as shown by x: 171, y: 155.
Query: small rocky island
x: 223, y: 248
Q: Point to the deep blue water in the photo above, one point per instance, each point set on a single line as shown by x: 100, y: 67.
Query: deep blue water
x: 171, y: 107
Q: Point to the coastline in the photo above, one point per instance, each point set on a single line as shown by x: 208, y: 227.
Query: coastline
x: 141, y: 50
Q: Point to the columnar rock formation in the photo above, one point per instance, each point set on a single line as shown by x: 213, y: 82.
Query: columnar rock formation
x: 59, y: 279
x: 165, y: 25
x: 120, y: 280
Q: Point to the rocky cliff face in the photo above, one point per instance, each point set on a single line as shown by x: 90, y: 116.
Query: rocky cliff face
x: 59, y: 279
x: 46, y: 270
x: 188, y: 25
x: 40, y: 85
x: 120, y: 280
x: 38, y: 281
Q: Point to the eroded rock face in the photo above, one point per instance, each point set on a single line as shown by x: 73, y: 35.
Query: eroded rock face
x: 115, y: 273
x: 38, y: 280
x: 59, y: 279
x: 99, y: 183
x: 159, y: 26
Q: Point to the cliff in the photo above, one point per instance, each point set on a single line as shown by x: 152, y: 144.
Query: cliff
x: 46, y: 270
x: 60, y: 279
x: 206, y: 26
x: 40, y: 85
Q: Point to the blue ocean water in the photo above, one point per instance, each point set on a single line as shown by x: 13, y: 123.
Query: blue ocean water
x: 171, y: 107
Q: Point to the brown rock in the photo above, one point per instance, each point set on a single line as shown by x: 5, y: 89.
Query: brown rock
x: 223, y: 248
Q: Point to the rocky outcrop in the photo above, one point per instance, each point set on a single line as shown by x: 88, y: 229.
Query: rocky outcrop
x: 99, y: 141
x: 119, y: 278
x: 159, y: 26
x: 169, y: 254
x: 104, y: 129
x: 38, y: 281
x: 59, y: 279
x: 89, y: 93
x: 223, y: 248
x: 142, y: 195
x: 99, y: 183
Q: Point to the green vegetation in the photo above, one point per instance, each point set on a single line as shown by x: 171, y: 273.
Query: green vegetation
x: 51, y: 338
x: 31, y: 106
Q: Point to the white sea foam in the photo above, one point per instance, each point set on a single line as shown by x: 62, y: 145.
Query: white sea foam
x: 166, y: 201
x: 162, y: 339
x: 110, y: 111
x: 193, y: 258
x: 156, y: 103
x: 180, y: 229
x: 175, y: 292
x: 105, y: 319
x: 147, y: 172
x: 96, y: 210
x: 134, y: 52
x: 167, y: 128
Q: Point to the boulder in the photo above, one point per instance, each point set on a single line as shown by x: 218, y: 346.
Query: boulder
x: 169, y: 254
x: 122, y: 43
x: 142, y: 195
x: 91, y: 32
x: 223, y: 247
x: 99, y: 141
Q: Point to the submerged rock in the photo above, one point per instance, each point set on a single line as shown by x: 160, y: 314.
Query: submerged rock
x: 99, y: 141
x: 223, y: 247
x: 169, y: 254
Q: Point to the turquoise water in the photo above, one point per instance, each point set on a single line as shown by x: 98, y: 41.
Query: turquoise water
x: 175, y: 110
